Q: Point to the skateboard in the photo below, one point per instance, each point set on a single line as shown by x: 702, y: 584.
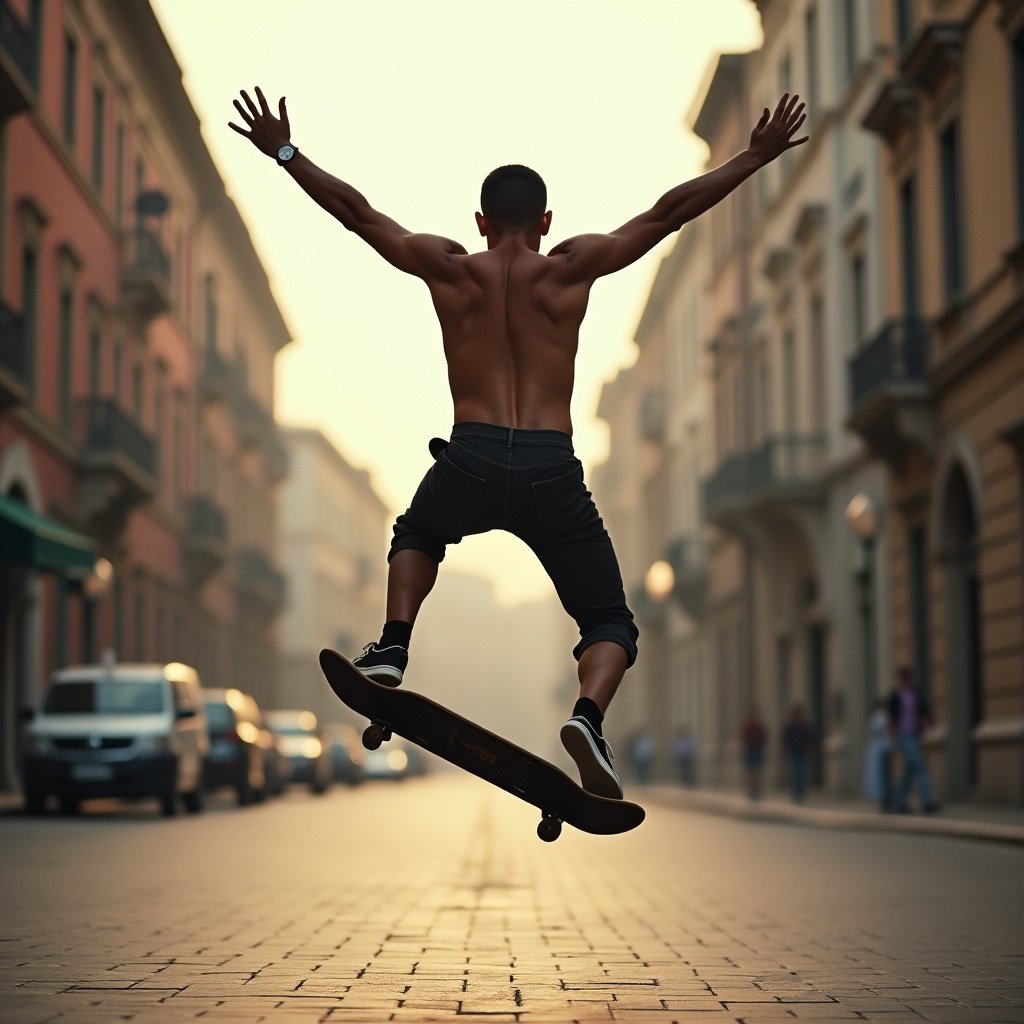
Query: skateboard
x: 478, y: 751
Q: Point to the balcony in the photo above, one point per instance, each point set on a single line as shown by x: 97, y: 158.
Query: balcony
x: 19, y: 63
x: 688, y: 557
x: 893, y: 111
x: 259, y: 587
x: 117, y: 465
x: 890, y: 397
x: 217, y: 382
x: 253, y: 423
x: 14, y: 357
x: 276, y: 458
x: 783, y: 471
x: 205, y: 540
x: 934, y: 54
x: 145, y: 274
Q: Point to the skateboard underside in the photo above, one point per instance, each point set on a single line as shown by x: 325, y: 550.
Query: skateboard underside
x: 478, y: 751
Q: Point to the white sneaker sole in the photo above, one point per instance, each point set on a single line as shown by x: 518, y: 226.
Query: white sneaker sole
x: 386, y: 675
x: 595, y: 774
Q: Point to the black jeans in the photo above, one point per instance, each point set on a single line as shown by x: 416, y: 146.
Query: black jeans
x: 530, y: 484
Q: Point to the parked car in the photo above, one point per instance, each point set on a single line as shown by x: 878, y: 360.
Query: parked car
x: 131, y: 731
x: 307, y: 749
x: 277, y: 764
x: 238, y: 745
x: 346, y: 753
x: 391, y: 761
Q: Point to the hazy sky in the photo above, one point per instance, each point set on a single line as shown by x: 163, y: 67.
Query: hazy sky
x: 413, y: 102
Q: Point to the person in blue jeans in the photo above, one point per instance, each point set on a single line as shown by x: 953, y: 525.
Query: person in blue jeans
x: 909, y: 714
x: 510, y: 319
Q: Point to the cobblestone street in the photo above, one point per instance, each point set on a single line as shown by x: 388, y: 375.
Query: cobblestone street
x: 434, y: 899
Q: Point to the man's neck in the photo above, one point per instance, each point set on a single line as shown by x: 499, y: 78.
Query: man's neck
x: 514, y: 240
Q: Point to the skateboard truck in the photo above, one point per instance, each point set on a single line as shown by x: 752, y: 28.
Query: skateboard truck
x: 375, y: 734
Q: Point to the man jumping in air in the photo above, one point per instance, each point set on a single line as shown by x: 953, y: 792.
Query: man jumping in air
x: 510, y: 321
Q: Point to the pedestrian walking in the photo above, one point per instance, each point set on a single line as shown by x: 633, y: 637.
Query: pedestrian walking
x: 797, y: 745
x: 510, y: 319
x: 909, y: 714
x: 684, y: 749
x: 753, y: 739
x: 878, y: 757
x: 641, y: 755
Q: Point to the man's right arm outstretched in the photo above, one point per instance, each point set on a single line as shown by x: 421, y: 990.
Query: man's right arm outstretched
x: 588, y: 257
x: 426, y: 256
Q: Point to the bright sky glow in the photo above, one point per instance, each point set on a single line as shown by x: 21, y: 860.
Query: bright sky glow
x: 413, y: 102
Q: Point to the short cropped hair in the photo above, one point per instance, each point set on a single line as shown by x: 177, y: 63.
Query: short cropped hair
x: 513, y: 198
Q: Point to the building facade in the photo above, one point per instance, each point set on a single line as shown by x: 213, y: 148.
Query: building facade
x: 937, y: 388
x: 333, y: 536
x: 123, y: 269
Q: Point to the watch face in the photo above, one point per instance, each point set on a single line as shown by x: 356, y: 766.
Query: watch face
x: 286, y: 153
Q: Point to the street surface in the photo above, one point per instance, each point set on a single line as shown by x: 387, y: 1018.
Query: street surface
x: 433, y: 899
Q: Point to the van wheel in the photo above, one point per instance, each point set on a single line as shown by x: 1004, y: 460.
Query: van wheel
x: 168, y: 807
x: 193, y: 801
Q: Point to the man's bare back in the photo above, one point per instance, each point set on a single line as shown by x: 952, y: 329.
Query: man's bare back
x: 510, y: 316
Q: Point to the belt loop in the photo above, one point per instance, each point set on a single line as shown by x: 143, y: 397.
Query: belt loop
x: 511, y: 434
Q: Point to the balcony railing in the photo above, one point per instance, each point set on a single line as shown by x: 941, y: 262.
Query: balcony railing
x: 206, y: 539
x: 106, y: 431
x: 688, y: 556
x: 785, y: 465
x: 14, y: 368
x: 254, y: 423
x: 19, y: 61
x: 146, y: 274
x: 258, y: 582
x: 898, y: 354
x: 217, y: 381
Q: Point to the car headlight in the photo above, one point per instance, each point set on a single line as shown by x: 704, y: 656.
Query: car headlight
x: 311, y: 748
x: 152, y: 744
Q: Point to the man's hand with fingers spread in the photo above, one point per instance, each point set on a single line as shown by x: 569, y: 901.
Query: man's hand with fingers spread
x: 266, y: 132
x: 772, y: 137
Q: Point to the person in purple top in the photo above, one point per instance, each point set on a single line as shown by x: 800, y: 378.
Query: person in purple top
x: 909, y: 714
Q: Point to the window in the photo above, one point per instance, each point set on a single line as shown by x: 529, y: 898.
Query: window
x: 210, y: 313
x: 917, y: 554
x: 819, y: 403
x: 1018, y: 116
x: 140, y: 179
x: 904, y: 11
x: 70, y: 92
x: 29, y: 306
x: 137, y: 389
x: 95, y: 359
x: 811, y: 42
x: 60, y: 621
x: 118, y: 361
x: 119, y: 175
x: 952, y: 244
x: 65, y: 335
x: 98, y: 135
x: 849, y: 30
x: 160, y: 394
x: 858, y: 294
x: 789, y: 383
x: 908, y: 245
x: 139, y: 639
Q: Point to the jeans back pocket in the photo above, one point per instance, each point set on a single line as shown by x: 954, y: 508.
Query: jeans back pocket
x: 455, y: 491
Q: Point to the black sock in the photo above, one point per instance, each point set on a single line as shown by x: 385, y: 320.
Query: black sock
x: 396, y: 632
x: 587, y: 709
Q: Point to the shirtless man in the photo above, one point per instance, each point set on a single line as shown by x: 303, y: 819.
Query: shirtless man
x: 510, y: 321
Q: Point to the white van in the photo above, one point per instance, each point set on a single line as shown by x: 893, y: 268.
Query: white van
x: 117, y: 730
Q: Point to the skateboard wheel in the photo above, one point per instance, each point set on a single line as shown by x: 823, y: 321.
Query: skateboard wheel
x: 373, y: 736
x: 549, y: 829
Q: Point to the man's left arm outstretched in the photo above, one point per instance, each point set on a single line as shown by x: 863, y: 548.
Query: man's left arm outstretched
x: 425, y: 256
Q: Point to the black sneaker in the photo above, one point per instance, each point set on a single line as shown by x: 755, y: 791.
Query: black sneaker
x: 593, y: 756
x: 383, y: 664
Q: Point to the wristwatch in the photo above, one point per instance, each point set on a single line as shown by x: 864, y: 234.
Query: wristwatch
x: 286, y: 152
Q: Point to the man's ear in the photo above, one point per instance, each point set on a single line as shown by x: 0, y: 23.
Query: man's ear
x: 481, y: 223
x: 545, y: 223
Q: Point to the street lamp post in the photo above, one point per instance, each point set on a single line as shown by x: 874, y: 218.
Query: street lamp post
x: 862, y: 517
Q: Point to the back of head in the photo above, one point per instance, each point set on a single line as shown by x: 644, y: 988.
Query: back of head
x: 513, y: 198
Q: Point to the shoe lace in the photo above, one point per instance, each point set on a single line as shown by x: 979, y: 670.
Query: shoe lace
x: 369, y: 647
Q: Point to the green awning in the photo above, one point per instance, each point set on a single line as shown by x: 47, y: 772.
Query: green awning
x: 30, y: 539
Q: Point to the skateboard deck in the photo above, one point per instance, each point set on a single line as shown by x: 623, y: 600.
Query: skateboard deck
x: 478, y: 751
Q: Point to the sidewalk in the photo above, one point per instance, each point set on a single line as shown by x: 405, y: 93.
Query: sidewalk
x: 962, y: 821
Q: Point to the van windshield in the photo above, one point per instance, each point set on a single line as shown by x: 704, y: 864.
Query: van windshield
x: 104, y: 696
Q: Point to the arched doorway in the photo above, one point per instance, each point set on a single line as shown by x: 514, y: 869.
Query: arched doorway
x: 959, y: 552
